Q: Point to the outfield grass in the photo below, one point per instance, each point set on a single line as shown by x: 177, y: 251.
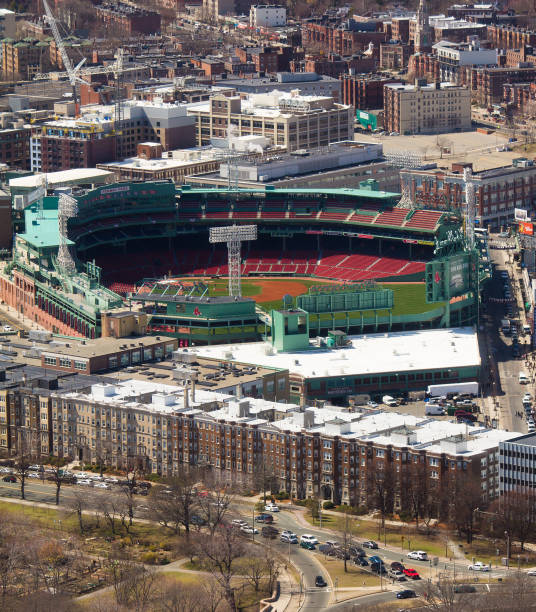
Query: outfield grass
x: 408, y: 298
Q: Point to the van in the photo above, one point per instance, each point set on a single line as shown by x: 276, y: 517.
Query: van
x: 523, y: 379
x: 526, y: 329
x: 434, y: 410
x: 389, y: 401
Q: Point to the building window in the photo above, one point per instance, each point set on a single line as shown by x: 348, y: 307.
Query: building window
x: 65, y: 362
x: 80, y: 365
x: 50, y: 361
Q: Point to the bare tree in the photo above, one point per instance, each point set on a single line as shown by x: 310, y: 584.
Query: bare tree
x: 23, y: 460
x: 174, y: 505
x: 346, y: 532
x: 57, y: 474
x: 265, y: 476
x: 78, y: 504
x: 465, y: 497
x: 513, y: 513
x: 10, y: 555
x: 220, y: 555
x: 214, y: 505
x: 381, y: 485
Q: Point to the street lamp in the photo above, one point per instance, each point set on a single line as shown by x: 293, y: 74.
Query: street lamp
x: 507, y: 536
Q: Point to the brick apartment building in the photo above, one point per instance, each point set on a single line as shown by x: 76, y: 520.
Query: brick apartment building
x: 334, y: 65
x: 395, y: 56
x: 497, y: 191
x: 400, y: 29
x: 487, y: 83
x: 425, y: 66
x: 509, y: 37
x: 364, y: 91
x: 522, y: 97
x: 341, y: 41
x: 24, y: 59
x: 323, y: 452
x: 128, y: 18
x: 422, y: 108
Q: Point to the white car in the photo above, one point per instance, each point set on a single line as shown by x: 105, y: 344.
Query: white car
x: 527, y: 398
x: 248, y: 529
x: 531, y: 572
x: 85, y: 482
x: 479, y: 567
x: 418, y: 555
x: 288, y: 533
x: 238, y: 523
x: 7, y: 328
x: 271, y: 508
x: 111, y: 480
x: 101, y: 485
x: 307, y: 537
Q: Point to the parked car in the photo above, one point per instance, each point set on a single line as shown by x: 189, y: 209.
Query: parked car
x: 307, y: 545
x: 264, y: 518
x: 320, y: 582
x: 238, y: 523
x: 479, y: 567
x: 101, y: 485
x: 531, y: 572
x: 378, y: 568
x: 197, y: 520
x: 9, y: 478
x: 289, y: 538
x: 269, y: 532
x: 248, y: 529
x: 361, y: 561
x: 307, y: 537
x: 397, y: 575
x: 395, y: 565
x: 418, y: 555
x: 271, y: 508
x: 411, y: 573
x: 406, y: 594
x: 370, y: 544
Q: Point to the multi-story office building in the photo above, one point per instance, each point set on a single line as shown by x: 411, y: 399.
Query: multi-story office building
x: 364, y: 91
x: 422, y: 108
x: 288, y: 120
x: 497, y: 191
x: 517, y: 463
x: 326, y: 452
x: 453, y: 58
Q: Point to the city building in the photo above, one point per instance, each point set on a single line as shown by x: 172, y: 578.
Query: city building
x: 267, y: 16
x: 309, y: 84
x: 93, y: 138
x: 8, y: 27
x: 497, y: 191
x: 14, y: 141
x: 378, y: 363
x: 517, y: 457
x: 129, y: 19
x: 344, y: 38
x: 420, y: 31
x: 364, y: 91
x: 510, y: 37
x: 422, y: 108
x: 339, y: 165
x: 394, y: 55
x: 453, y: 58
x: 487, y: 83
x: 175, y: 165
x: 288, y: 120
x: 22, y: 60
x: 214, y: 9
x: 328, y: 453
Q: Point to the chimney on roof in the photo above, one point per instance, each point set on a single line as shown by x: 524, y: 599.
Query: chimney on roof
x: 186, y: 397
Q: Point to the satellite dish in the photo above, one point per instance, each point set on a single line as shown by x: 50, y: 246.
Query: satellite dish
x: 287, y: 300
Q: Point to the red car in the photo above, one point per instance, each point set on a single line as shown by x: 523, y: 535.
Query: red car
x: 411, y: 573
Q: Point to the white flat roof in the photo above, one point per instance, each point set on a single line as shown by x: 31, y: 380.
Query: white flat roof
x: 368, y: 354
x: 61, y: 177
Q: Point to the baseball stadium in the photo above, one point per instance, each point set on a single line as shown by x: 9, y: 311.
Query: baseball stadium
x: 146, y: 244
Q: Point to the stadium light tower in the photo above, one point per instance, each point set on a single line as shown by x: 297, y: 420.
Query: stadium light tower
x: 233, y: 235
x: 67, y: 208
x: 469, y: 206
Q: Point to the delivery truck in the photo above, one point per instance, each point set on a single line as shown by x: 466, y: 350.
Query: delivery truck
x: 469, y: 388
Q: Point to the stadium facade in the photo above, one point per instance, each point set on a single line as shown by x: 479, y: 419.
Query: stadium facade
x: 135, y: 231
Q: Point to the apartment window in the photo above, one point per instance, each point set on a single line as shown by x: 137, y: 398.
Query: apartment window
x: 80, y: 365
x: 50, y: 361
x: 65, y: 362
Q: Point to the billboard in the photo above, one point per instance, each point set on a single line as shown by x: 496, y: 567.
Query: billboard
x: 526, y: 228
x: 450, y: 277
x: 520, y: 215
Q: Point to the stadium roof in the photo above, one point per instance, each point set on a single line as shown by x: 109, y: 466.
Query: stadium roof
x: 42, y: 227
x: 63, y: 177
x: 361, y: 193
x: 434, y: 349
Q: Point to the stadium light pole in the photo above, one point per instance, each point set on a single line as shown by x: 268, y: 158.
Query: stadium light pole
x: 233, y: 235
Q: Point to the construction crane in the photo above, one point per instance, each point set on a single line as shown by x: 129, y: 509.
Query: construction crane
x: 117, y: 70
x: 71, y: 72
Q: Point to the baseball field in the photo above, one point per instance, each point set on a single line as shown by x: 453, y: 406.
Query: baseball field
x: 409, y: 298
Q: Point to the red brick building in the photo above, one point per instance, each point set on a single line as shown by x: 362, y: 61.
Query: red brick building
x: 394, y: 56
x: 364, y: 91
x: 510, y: 37
x: 487, y: 83
x: 128, y: 18
x: 424, y: 66
x: 343, y: 42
